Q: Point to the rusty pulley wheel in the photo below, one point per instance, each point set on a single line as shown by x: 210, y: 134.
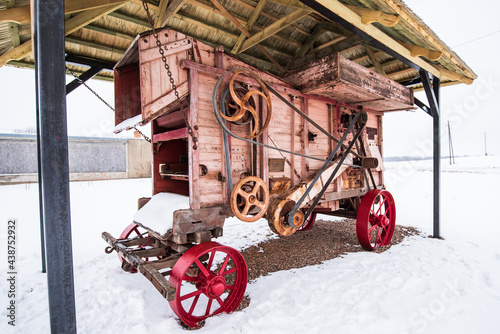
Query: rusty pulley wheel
x: 250, y: 199
x: 244, y: 103
x: 277, y: 218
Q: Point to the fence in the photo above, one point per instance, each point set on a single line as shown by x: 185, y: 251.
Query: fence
x: 89, y: 158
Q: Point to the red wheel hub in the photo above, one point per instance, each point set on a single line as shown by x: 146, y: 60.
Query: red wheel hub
x: 215, y: 287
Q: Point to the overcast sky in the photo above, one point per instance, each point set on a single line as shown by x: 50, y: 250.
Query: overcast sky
x: 471, y: 110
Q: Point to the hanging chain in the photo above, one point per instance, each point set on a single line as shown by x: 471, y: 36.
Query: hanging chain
x: 167, y: 68
x: 103, y: 101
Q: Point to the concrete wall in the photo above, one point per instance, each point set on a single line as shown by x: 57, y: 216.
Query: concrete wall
x: 89, y: 159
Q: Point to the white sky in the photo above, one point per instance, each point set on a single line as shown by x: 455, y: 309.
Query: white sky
x: 471, y: 110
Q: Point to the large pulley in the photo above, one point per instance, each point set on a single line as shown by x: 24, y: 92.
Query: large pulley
x: 250, y: 199
x: 237, y: 104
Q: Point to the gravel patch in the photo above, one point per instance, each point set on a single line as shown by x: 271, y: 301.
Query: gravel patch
x: 325, y: 241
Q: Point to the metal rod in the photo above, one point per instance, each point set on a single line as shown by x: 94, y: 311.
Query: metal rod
x: 316, y: 125
x: 49, y: 27
x: 325, y: 166
x: 332, y: 177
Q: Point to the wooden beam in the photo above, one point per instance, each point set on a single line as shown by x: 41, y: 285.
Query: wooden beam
x: 173, y: 7
x: 400, y: 72
x: 14, y: 34
x: 369, y: 16
x: 19, y: 15
x: 109, y: 32
x: 94, y: 45
x: 274, y: 28
x: 374, y: 60
x: 295, y: 4
x: 18, y: 53
x: 342, y: 46
x: 22, y: 15
x: 75, y: 23
x: 309, y: 42
x: 329, y: 43
x: 417, y: 51
x: 272, y: 17
x: 162, y: 8
x: 214, y: 29
x: 418, y: 26
x: 81, y: 20
x: 221, y: 31
x: 231, y: 18
x: 453, y: 75
x: 341, y: 10
x: 136, y: 20
x: 74, y: 6
x: 253, y: 18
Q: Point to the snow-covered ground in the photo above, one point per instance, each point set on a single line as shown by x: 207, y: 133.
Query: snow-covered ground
x: 420, y: 286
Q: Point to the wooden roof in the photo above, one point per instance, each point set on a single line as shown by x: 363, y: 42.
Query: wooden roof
x: 273, y: 35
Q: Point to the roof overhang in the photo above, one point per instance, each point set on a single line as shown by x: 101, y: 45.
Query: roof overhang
x: 273, y: 35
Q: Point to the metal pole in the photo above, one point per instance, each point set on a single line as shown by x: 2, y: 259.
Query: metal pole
x: 437, y: 159
x: 39, y: 157
x: 432, y: 93
x: 485, y: 151
x: 51, y: 85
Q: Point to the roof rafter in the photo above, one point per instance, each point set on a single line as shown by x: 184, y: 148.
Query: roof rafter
x: 374, y: 60
x: 73, y: 24
x: 173, y: 7
x: 22, y: 14
x: 251, y: 21
x: 231, y: 18
x: 274, y: 28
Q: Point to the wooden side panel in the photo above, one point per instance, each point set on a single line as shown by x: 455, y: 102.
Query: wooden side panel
x: 210, y: 146
x: 155, y: 81
x: 127, y: 93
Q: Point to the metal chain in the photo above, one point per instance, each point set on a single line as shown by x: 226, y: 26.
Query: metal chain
x: 103, y: 101
x: 167, y: 68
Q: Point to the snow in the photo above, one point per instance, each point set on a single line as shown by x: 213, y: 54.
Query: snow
x: 422, y: 285
x: 128, y: 124
x: 157, y: 214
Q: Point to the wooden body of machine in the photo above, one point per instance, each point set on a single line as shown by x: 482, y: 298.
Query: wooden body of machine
x: 242, y: 142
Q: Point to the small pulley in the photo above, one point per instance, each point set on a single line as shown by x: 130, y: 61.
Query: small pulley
x: 250, y: 199
x: 277, y: 217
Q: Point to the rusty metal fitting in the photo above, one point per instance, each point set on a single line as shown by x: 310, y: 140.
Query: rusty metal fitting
x: 369, y: 162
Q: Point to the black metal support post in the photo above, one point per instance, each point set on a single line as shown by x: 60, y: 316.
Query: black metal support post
x: 49, y: 27
x: 437, y: 159
x: 39, y: 157
x: 432, y: 92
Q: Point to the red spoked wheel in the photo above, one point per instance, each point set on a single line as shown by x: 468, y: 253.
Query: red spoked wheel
x: 376, y: 219
x: 131, y: 231
x: 209, y: 279
x: 309, y: 223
